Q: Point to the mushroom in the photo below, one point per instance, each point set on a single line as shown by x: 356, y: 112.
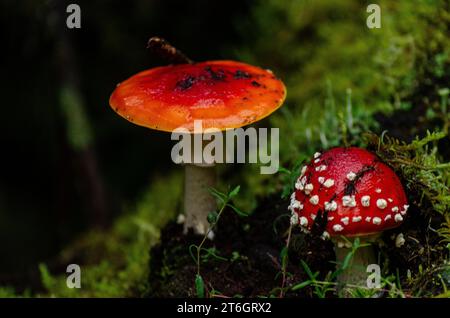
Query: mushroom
x: 222, y: 94
x: 346, y: 193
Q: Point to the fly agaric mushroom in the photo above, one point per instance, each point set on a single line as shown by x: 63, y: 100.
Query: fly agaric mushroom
x: 222, y: 94
x: 348, y: 192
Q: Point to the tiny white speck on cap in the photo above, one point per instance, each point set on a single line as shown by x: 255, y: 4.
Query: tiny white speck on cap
x: 308, y: 188
x: 368, y: 219
x: 304, y: 170
x: 329, y: 183
x: 303, y: 180
x: 348, y: 200
x: 330, y: 218
x: 378, y: 190
x: 299, y: 185
x: 321, y: 168
x: 365, y: 200
x: 399, y: 240
x: 303, y: 221
x: 321, y: 180
x: 381, y: 203
x: 314, y: 199
x: 356, y: 219
x: 313, y: 216
x: 294, y: 218
x: 325, y: 235
x: 398, y: 218
x: 317, y: 155
x: 388, y: 217
x: 376, y: 220
x: 297, y: 205
x: 317, y: 160
x: 351, y: 176
x: 345, y: 220
x: 390, y: 200
x: 337, y: 228
x: 395, y: 209
x: 331, y: 206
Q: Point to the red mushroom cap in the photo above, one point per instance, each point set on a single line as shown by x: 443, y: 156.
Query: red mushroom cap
x: 352, y: 190
x: 223, y: 94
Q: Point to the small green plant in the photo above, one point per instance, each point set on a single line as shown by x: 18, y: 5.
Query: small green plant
x: 284, y: 256
x: 213, y: 218
x: 322, y: 288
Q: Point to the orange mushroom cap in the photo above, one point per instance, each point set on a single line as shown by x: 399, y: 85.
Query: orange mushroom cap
x: 223, y: 94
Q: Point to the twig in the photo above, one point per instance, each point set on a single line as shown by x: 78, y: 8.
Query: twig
x: 166, y: 51
x: 284, y: 264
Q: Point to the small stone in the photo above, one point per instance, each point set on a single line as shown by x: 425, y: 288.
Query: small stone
x: 399, y: 240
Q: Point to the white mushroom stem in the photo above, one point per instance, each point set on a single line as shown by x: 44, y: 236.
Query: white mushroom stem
x: 198, y: 201
x: 356, y: 273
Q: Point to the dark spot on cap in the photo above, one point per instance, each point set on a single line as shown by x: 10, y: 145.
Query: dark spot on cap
x: 215, y: 75
x: 185, y: 83
x: 256, y: 84
x: 241, y: 75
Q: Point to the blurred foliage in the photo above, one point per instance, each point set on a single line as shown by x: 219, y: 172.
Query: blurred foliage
x: 79, y: 132
x: 323, y: 48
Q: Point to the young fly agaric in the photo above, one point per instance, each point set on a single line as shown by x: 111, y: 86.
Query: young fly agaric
x: 222, y: 94
x: 348, y: 192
